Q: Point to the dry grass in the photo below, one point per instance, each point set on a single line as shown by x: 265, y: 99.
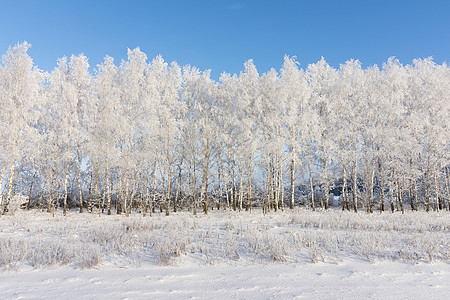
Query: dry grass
x: 85, y: 240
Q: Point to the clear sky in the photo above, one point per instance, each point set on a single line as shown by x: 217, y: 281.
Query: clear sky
x: 221, y: 34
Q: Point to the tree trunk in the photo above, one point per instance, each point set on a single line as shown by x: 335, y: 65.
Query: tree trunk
x: 96, y: 195
x: 29, y: 194
x: 345, y: 199
x: 411, y: 195
x: 10, y: 187
x: 193, y: 183
x: 163, y: 196
x: 205, y: 187
x: 241, y: 189
x: 380, y: 171
x: 153, y: 204
x: 51, y: 204
x: 205, y: 202
x: 281, y: 183
x: 416, y: 200
x: 177, y: 193
x: 169, y: 189
x: 397, y: 198
x: 89, y: 203
x: 411, y: 190
x: 125, y: 198
x: 447, y: 184
x: 119, y: 203
x: 249, y: 192
x: 220, y: 188
x: 400, y: 195
x: 436, y: 188
x: 291, y: 204
x: 132, y: 195
x: 269, y: 190
x: 1, y: 186
x: 426, y: 176
x: 65, y: 190
x: 355, y: 187
x: 275, y: 185
x: 228, y: 196
x: 372, y: 176
x: 79, y: 180
x: 147, y: 192
x: 326, y: 183
x: 311, y: 186
x: 268, y: 185
x: 108, y: 190
x: 233, y: 184
x: 392, y: 189
x: 40, y: 199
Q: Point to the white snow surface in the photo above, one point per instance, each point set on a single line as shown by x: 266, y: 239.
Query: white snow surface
x: 225, y: 255
x: 347, y: 280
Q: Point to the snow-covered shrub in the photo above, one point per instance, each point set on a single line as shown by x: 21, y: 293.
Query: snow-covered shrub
x: 48, y: 253
x: 171, y: 241
x: 89, y: 257
x: 85, y: 240
x: 167, y: 247
x: 13, y: 252
x: 15, y: 204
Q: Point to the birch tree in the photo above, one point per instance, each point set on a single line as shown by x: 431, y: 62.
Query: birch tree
x: 20, y: 85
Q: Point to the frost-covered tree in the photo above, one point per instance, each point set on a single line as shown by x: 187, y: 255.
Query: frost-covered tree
x: 20, y: 84
x: 198, y: 91
x: 429, y: 90
x: 105, y: 128
x: 60, y: 128
x: 249, y: 128
x: 323, y: 81
x: 296, y: 95
x: 141, y: 134
x: 273, y: 139
x: 78, y: 83
x: 228, y: 134
x: 166, y: 83
x: 133, y: 81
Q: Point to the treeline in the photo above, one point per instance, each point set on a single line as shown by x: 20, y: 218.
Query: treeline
x: 157, y: 136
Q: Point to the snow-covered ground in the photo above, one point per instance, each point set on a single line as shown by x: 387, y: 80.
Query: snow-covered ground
x: 350, y: 279
x: 284, y: 255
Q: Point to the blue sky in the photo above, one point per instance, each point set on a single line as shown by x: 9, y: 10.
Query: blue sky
x: 220, y: 35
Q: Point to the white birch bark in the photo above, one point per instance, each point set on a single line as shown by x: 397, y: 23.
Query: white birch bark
x: 311, y: 187
x: 355, y: 187
x: 10, y: 187
x: 291, y: 204
x: 436, y: 188
x: 79, y: 180
x: 1, y: 186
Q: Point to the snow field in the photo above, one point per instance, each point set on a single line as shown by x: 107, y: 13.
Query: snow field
x: 86, y: 240
x: 315, y: 255
x: 350, y: 279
